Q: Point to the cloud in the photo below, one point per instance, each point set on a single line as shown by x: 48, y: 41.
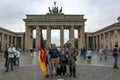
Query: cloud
x: 99, y: 13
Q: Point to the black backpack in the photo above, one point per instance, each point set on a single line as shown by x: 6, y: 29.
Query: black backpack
x: 59, y: 71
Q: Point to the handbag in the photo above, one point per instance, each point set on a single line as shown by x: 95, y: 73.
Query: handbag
x: 75, y: 58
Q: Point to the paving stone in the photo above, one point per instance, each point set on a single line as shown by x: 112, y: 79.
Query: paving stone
x: 29, y: 69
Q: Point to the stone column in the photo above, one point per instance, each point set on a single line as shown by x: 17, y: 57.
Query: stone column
x: 115, y: 37
x: 61, y: 36
x: 82, y: 36
x: 27, y: 38
x: 109, y: 42
x: 31, y: 38
x: 38, y: 34
x: 100, y: 40
x: 96, y: 41
x: 79, y: 39
x: 118, y: 37
x: 71, y: 35
x: 3, y: 42
x: 22, y: 43
x: 93, y: 42
x: 48, y: 35
x: 11, y: 40
x: 88, y: 42
x: 104, y: 42
x: 15, y: 42
x: 8, y: 40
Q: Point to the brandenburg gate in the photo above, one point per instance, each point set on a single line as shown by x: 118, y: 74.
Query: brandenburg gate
x: 55, y: 19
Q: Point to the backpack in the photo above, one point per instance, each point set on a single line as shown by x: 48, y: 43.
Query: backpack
x: 59, y: 70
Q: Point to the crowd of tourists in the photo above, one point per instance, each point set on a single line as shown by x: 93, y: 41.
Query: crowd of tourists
x: 63, y: 61
x: 115, y: 52
x: 59, y: 61
x: 11, y: 56
x: 103, y: 53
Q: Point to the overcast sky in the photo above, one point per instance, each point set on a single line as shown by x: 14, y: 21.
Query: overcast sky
x: 99, y: 13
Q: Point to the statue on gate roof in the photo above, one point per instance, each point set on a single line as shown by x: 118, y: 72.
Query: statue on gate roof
x: 55, y: 9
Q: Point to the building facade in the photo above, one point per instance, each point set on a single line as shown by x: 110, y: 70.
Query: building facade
x: 8, y: 37
x: 108, y: 36
x: 54, y: 21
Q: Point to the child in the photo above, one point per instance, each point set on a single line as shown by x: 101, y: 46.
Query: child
x: 17, y: 57
x: 100, y: 53
x: 31, y: 51
x: 89, y: 55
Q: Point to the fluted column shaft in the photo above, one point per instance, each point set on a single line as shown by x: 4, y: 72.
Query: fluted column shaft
x: 96, y: 41
x: 38, y: 34
x: 104, y: 42
x: 100, y: 41
x: 71, y: 34
x: 61, y: 36
x: 3, y: 42
x: 48, y: 35
x: 27, y: 38
x: 79, y: 39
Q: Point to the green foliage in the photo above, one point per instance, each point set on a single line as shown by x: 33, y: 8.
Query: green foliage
x: 45, y: 42
x: 76, y: 42
x: 34, y: 42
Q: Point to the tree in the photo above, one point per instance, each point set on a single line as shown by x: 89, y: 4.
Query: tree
x: 76, y: 42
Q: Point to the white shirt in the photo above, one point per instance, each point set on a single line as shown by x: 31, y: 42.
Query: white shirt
x: 18, y: 54
x: 11, y: 52
x: 100, y: 50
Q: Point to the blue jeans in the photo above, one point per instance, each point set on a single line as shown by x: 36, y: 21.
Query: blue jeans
x: 115, y: 61
x: 10, y: 61
x: 100, y: 56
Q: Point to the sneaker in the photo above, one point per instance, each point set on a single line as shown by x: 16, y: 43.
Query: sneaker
x: 12, y: 70
x: 55, y: 74
x: 74, y: 76
x: 51, y: 75
x: 116, y: 67
x: 6, y: 71
x: 70, y: 75
x: 47, y: 76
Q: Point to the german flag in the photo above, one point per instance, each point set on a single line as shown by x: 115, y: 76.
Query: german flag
x: 42, y: 56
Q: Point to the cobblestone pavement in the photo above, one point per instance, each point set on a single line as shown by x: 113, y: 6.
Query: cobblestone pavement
x: 30, y: 70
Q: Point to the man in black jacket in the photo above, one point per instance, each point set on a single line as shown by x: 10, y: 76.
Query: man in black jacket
x: 115, y: 55
x: 54, y: 59
x: 6, y: 56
